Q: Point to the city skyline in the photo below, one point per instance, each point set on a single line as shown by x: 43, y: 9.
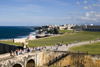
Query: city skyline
x: 52, y: 12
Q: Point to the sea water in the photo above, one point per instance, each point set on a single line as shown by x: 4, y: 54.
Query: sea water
x: 12, y: 32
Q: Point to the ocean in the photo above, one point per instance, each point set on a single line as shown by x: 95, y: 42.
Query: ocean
x: 14, y: 32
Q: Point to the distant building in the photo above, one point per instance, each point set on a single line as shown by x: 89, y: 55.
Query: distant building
x: 31, y: 37
x: 19, y: 40
x: 63, y: 27
x: 78, y: 27
x: 69, y: 27
x: 92, y: 28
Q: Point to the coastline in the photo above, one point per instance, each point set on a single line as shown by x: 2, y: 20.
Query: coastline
x: 15, y: 32
x: 21, y: 37
x: 33, y: 39
x: 53, y: 35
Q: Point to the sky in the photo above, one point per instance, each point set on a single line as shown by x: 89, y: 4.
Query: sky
x: 49, y: 12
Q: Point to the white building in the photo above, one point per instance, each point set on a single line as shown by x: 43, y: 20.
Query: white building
x: 31, y: 37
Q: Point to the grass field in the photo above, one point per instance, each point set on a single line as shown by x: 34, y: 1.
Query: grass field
x: 64, y: 31
x: 66, y: 38
x: 11, y: 42
x: 93, y: 48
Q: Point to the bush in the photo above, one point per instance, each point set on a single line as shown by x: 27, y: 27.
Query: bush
x: 51, y: 31
x: 56, y: 31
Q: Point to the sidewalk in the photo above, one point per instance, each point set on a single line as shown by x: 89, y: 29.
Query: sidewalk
x: 65, y: 48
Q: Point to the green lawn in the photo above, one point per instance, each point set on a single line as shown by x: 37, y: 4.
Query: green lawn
x: 11, y: 42
x: 69, y: 37
x: 93, y: 48
x: 64, y: 31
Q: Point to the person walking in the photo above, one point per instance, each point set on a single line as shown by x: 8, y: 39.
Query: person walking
x: 90, y: 41
x: 11, y: 53
x: 51, y: 47
x: 45, y: 46
x: 62, y: 42
x: 57, y: 47
x: 42, y: 48
x: 54, y: 44
x: 28, y: 50
x: 17, y: 51
x: 33, y: 47
x: 66, y: 44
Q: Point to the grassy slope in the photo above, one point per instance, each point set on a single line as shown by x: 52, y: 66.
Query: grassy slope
x: 64, y: 31
x: 82, y: 36
x: 93, y: 48
x: 11, y: 42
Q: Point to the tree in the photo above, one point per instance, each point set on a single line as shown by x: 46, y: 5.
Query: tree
x: 56, y: 31
x: 51, y: 31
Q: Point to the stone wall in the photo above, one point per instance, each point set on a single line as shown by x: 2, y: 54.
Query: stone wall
x: 44, y: 57
x: 79, y: 61
x: 21, y: 60
x: 39, y: 58
x: 6, y: 48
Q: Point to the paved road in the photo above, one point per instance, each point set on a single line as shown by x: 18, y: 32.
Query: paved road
x: 65, y: 48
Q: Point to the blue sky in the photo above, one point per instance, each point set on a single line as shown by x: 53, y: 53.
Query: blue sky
x: 53, y: 12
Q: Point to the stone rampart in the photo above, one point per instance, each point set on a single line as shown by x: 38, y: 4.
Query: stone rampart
x: 38, y: 58
x: 6, y: 48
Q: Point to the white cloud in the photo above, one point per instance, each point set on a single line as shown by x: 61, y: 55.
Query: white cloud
x: 23, y: 8
x: 74, y: 13
x: 90, y: 7
x: 85, y: 7
x: 56, y: 2
x: 88, y: 17
x: 68, y: 18
x: 91, y: 16
x: 87, y: 14
x: 96, y: 5
x: 78, y: 2
x: 91, y: 12
x: 85, y: 2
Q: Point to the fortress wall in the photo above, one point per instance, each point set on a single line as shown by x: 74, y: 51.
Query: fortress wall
x: 1, y: 48
x: 6, y: 48
x: 44, y: 57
